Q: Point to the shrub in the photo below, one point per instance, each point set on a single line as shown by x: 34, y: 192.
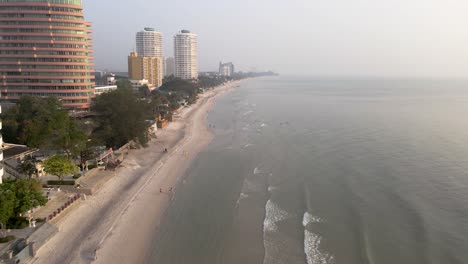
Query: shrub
x: 76, y: 176
x: 90, y: 167
x: 40, y: 220
x: 17, y: 223
x: 61, y: 183
x: 7, y: 239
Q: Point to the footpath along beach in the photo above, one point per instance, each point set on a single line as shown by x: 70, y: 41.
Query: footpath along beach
x: 117, y: 224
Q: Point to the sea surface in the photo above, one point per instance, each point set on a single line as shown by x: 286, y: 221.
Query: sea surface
x: 327, y: 171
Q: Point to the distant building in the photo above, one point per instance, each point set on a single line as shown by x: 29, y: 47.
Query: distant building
x: 99, y: 74
x: 149, y: 43
x: 136, y: 84
x: 226, y: 69
x: 46, y: 51
x: 186, y: 55
x: 111, y: 79
x: 98, y: 90
x: 148, y: 68
x: 170, y: 66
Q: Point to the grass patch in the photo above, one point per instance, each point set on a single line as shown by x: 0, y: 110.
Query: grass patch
x: 7, y: 239
x: 71, y: 183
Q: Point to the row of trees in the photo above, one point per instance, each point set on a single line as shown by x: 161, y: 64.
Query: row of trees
x: 121, y: 116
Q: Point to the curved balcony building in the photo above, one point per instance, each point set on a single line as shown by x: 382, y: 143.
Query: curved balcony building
x: 45, y: 50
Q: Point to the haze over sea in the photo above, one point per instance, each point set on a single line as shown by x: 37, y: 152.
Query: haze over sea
x: 327, y: 171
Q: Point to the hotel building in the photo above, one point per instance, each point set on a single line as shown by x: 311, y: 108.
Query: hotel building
x: 186, y: 55
x: 149, y: 43
x: 45, y: 50
x: 148, y: 60
x: 145, y: 68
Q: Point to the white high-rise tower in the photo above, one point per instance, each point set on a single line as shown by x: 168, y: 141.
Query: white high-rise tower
x: 149, y: 43
x: 186, y: 55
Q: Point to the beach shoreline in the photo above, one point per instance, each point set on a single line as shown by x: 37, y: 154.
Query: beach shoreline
x: 118, y: 223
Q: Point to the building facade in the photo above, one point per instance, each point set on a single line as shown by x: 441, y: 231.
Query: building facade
x: 186, y: 55
x: 149, y: 47
x: 145, y: 68
x: 149, y: 43
x: 45, y: 50
x: 100, y: 89
x: 226, y: 69
x: 170, y: 66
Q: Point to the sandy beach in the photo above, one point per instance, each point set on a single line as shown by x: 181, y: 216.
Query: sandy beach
x: 117, y: 224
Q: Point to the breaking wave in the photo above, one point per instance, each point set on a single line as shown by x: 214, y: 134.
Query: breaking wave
x: 312, y: 243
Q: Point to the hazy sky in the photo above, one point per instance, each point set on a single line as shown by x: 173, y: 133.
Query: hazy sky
x: 394, y: 38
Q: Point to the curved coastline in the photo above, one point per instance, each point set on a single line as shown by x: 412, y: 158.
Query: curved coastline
x: 117, y: 224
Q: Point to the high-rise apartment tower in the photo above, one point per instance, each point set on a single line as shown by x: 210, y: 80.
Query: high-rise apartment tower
x: 186, y: 55
x: 45, y: 50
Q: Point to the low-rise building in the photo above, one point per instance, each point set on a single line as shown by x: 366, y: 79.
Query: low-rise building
x: 98, y: 90
x: 136, y: 84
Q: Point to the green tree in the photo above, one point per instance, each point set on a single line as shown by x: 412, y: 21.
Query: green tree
x: 121, y: 117
x: 42, y: 123
x: 27, y: 167
x: 7, y: 205
x: 144, y: 90
x: 28, y: 195
x: 59, y: 166
x: 19, y: 196
x: 124, y: 84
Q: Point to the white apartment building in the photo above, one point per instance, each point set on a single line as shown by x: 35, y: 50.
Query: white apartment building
x: 186, y: 55
x: 149, y: 43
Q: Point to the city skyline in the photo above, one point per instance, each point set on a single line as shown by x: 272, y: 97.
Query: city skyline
x: 320, y: 38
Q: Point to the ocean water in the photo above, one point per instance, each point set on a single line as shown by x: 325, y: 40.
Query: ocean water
x: 327, y: 172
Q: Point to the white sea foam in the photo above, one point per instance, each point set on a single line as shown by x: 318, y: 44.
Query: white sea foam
x: 272, y: 188
x: 256, y: 171
x: 311, y: 249
x: 241, y: 197
x: 248, y: 112
x: 309, y: 218
x: 273, y: 215
x: 247, y: 145
x: 312, y: 243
